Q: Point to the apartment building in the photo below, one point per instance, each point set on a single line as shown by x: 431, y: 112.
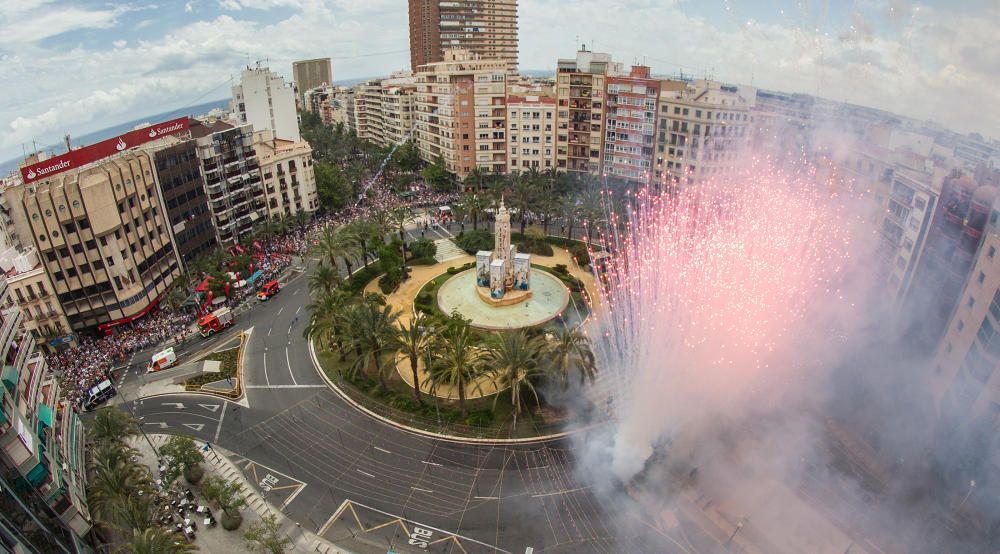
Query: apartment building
x: 461, y: 113
x: 31, y: 287
x: 42, y: 448
x: 486, y: 28
x: 309, y: 74
x: 185, y: 200
x: 101, y: 232
x: 232, y: 173
x: 262, y: 100
x: 531, y: 121
x: 580, y: 87
x: 287, y: 171
x: 630, y: 124
x: 703, y: 131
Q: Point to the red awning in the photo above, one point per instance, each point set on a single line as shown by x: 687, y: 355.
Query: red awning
x: 106, y: 327
x: 203, y: 287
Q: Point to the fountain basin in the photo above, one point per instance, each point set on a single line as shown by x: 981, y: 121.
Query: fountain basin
x: 546, y: 299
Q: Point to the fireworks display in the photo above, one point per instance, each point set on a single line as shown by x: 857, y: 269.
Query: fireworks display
x: 713, y: 295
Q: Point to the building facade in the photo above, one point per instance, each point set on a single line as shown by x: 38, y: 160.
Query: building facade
x: 486, y: 28
x: 630, y: 125
x: 185, y: 200
x: 287, y: 171
x: 531, y: 121
x: 383, y: 110
x: 103, y: 237
x: 580, y: 87
x: 232, y: 178
x: 703, y: 131
x: 309, y: 74
x: 263, y: 100
x: 31, y: 288
x: 42, y: 448
x: 461, y: 113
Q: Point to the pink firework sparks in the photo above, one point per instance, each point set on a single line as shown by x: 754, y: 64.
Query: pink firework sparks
x: 709, y: 293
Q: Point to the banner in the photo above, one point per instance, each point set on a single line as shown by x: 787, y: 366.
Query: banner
x: 89, y: 154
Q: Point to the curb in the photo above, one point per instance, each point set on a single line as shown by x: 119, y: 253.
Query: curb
x: 429, y: 434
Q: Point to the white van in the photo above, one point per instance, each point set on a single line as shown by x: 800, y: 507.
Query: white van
x: 162, y: 360
x: 98, y: 395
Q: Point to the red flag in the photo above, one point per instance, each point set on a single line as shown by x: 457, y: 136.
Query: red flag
x: 227, y: 286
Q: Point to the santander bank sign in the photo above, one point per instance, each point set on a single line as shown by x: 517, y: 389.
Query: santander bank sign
x: 98, y: 151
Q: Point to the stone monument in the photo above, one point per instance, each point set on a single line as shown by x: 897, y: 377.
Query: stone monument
x: 503, y: 269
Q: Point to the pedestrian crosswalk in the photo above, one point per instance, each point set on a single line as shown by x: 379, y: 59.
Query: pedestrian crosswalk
x: 447, y: 250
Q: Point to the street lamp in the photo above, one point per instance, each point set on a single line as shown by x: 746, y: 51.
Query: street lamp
x: 137, y: 418
x: 972, y: 487
x: 739, y: 525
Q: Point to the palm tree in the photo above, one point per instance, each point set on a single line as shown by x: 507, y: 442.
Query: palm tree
x: 514, y: 358
x: 568, y: 349
x: 339, y: 242
x: 324, y: 279
x: 112, y: 425
x: 398, y: 217
x: 460, y: 359
x: 328, y: 315
x: 522, y: 197
x: 477, y: 177
x: 157, y: 540
x: 371, y: 334
x: 570, y: 210
x: 413, y: 340
x: 382, y: 222
x: 113, y: 478
x: 363, y: 233
x: 473, y: 204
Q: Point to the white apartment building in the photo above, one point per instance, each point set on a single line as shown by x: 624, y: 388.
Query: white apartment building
x: 703, y: 131
x: 263, y: 100
x: 461, y: 114
x: 531, y: 123
x: 287, y: 171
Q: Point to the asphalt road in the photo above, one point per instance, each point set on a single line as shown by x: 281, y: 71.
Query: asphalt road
x: 347, y: 476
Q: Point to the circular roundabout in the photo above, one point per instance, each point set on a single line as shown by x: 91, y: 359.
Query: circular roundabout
x: 548, y: 299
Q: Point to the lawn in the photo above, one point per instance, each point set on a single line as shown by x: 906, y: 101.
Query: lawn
x: 227, y: 367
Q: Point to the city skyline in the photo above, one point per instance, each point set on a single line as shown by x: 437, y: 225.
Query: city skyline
x: 87, y: 66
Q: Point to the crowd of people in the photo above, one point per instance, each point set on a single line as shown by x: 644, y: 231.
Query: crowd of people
x: 92, y: 359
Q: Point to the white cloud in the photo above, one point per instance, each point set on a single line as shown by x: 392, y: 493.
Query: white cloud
x: 916, y: 61
x: 120, y: 43
x: 188, y: 7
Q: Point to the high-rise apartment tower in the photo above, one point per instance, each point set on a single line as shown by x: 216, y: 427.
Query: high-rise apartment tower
x: 486, y: 28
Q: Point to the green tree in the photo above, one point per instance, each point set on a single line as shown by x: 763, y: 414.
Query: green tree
x: 391, y: 263
x: 339, y: 243
x: 112, y: 478
x: 407, y: 156
x: 182, y: 455
x: 398, y: 218
x: 156, y: 540
x: 458, y: 358
x: 570, y: 349
x: 514, y: 358
x: 265, y: 536
x: 522, y: 197
x: 371, y: 335
x: 437, y: 176
x: 228, y: 497
x: 324, y: 279
x: 328, y: 313
x: 413, y: 340
x: 112, y: 424
x: 332, y: 187
x: 473, y: 204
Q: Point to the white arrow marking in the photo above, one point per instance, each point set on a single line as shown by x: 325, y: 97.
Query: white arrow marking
x: 210, y: 407
x: 161, y: 424
x: 177, y: 404
x: 195, y: 426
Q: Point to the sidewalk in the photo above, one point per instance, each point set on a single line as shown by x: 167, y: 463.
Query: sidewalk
x: 217, y: 539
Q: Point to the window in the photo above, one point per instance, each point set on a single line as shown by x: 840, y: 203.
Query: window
x: 972, y: 302
x: 77, y: 249
x: 961, y: 325
x: 992, y: 252
x: 981, y: 278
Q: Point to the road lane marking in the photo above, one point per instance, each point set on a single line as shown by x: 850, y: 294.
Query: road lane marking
x: 219, y: 428
x: 160, y: 423
x: 382, y: 450
x: 279, y: 311
x: 486, y: 497
x: 365, y: 473
x: 210, y: 407
x: 297, y: 310
x: 285, y: 387
x: 422, y: 490
x: 177, y: 404
x: 195, y: 426
x: 431, y: 463
x: 269, y: 332
x: 289, y: 362
x: 558, y: 492
x: 266, y: 380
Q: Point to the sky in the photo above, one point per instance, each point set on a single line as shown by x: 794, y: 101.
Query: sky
x: 76, y: 66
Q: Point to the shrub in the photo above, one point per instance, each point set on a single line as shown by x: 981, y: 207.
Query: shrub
x: 474, y: 241
x: 479, y: 418
x: 193, y: 474
x: 579, y: 251
x: 389, y: 282
x: 537, y: 247
x: 422, y: 248
x: 422, y: 261
x: 180, y: 454
x: 561, y: 268
x: 231, y: 522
